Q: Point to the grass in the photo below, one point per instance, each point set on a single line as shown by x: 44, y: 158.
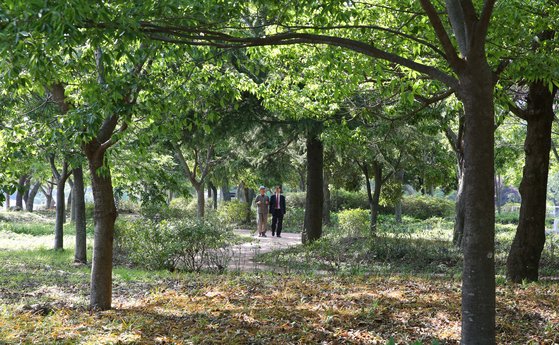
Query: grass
x: 402, y: 285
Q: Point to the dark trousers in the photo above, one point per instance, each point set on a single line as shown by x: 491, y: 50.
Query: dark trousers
x: 277, y: 220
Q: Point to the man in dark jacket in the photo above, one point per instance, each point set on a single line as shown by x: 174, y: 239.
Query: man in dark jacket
x: 277, y: 209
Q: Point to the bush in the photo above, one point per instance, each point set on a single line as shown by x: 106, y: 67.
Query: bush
x: 354, y: 222
x: 507, y: 218
x: 424, y: 207
x: 190, y: 245
x: 294, y: 219
x: 236, y: 212
x: 339, y: 200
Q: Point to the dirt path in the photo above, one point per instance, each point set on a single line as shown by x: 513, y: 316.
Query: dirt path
x: 243, y: 254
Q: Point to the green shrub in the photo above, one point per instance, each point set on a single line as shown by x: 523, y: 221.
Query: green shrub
x: 355, y: 222
x: 294, y: 219
x: 507, y: 218
x: 424, y: 207
x: 187, y: 244
x: 127, y: 206
x: 339, y: 200
x: 236, y: 212
x: 181, y: 203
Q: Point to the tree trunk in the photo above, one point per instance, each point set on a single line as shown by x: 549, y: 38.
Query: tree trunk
x: 214, y: 195
x: 458, y: 234
x: 225, y: 192
x: 200, y: 195
x: 525, y: 253
x: 80, y: 254
x: 372, y: 224
x: 248, y: 200
x: 498, y: 192
x: 302, y: 182
x: 27, y: 191
x: 104, y: 219
x: 478, y: 277
x: 60, y: 209
x: 31, y: 198
x: 398, y: 207
x: 315, y: 194
x: 7, y: 201
x: 241, y: 192
x: 20, y: 191
x: 70, y: 202
x: 326, y: 206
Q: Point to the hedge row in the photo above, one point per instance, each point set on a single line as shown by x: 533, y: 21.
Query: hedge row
x: 417, y: 206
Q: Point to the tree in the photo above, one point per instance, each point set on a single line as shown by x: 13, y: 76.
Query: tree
x: 473, y: 83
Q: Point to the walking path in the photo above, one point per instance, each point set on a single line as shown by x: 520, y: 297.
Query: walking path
x: 243, y: 254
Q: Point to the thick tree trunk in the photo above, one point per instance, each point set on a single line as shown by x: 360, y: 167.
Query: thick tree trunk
x: 315, y: 194
x: 478, y: 277
x: 458, y: 234
x: 104, y: 219
x: 326, y: 206
x: 31, y: 198
x: 201, y: 200
x: 80, y: 254
x: 525, y: 253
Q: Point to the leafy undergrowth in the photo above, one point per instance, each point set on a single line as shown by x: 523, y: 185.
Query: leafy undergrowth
x: 283, y: 309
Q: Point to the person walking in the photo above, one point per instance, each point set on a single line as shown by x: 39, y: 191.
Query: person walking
x: 277, y: 209
x: 262, y: 202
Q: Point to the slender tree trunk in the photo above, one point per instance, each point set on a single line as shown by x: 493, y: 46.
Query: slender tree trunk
x: 70, y: 202
x: 302, y: 182
x: 498, y: 192
x: 525, y: 253
x: 326, y: 206
x: 225, y: 192
x: 27, y: 191
x: 20, y: 191
x: 200, y: 195
x: 478, y: 277
x: 315, y: 194
x: 398, y: 207
x: 248, y: 200
x: 104, y: 219
x: 80, y: 254
x: 214, y: 195
x: 31, y: 198
x: 377, y: 171
x: 60, y: 209
x: 7, y: 201
x: 372, y: 224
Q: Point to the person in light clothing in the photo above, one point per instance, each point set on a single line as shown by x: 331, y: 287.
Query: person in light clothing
x: 262, y: 202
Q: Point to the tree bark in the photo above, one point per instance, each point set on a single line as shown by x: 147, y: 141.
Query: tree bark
x: 315, y: 194
x: 104, y: 219
x: 70, y: 203
x: 302, y: 182
x: 80, y: 254
x: 60, y: 205
x: 20, y: 191
x: 214, y: 195
x: 525, y: 253
x: 398, y: 207
x: 326, y: 206
x: 29, y: 204
x: 27, y: 191
x: 478, y: 280
x: 457, y: 143
x: 48, y: 194
x: 498, y: 192
x: 225, y: 192
x: 201, y: 200
x: 373, y: 196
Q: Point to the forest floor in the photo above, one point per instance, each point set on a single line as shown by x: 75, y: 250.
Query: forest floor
x: 44, y: 298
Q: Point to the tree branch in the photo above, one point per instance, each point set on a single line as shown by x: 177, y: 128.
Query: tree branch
x: 452, y: 58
